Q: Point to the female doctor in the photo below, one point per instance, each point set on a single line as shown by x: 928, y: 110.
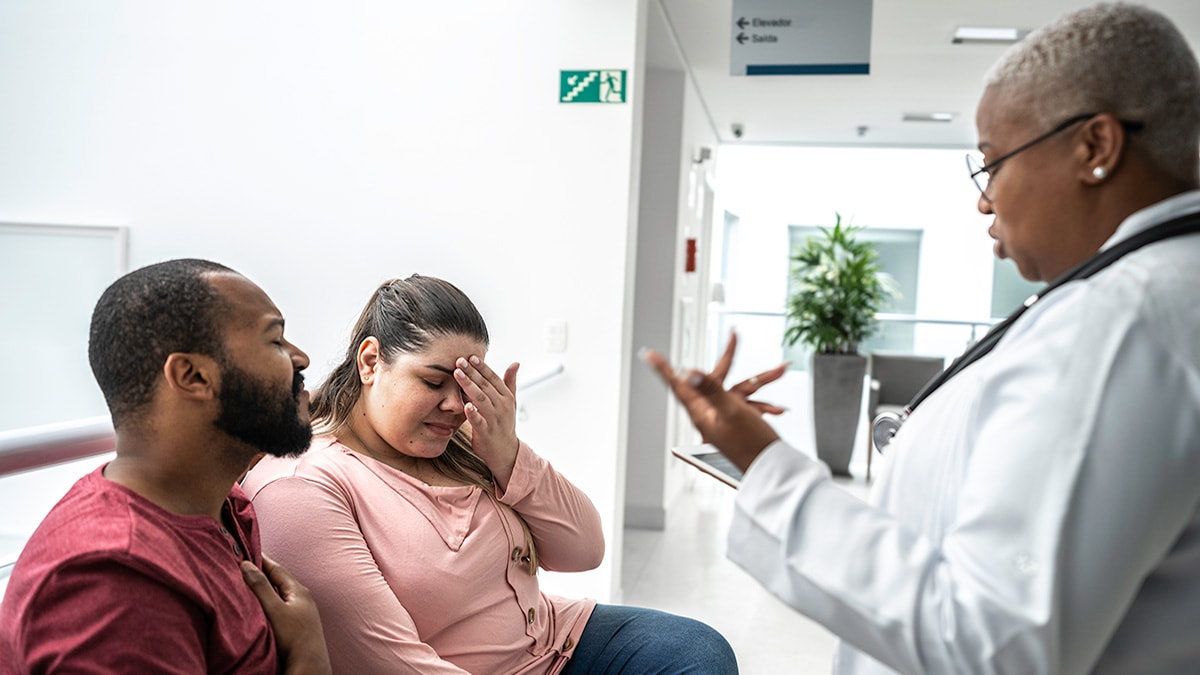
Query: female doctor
x: 1038, y: 511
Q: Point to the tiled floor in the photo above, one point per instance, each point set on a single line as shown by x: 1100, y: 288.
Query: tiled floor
x: 683, y: 569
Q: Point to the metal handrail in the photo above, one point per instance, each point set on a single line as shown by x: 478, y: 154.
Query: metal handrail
x: 535, y: 381
x: 912, y: 318
x: 881, y: 316
x: 539, y: 378
x: 41, y: 446
x: 36, y: 447
x: 975, y: 324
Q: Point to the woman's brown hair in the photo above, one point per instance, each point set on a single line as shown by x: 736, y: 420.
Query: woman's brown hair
x: 406, y: 316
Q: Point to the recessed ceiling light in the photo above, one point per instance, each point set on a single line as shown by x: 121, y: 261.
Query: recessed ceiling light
x: 1001, y: 34
x: 929, y: 117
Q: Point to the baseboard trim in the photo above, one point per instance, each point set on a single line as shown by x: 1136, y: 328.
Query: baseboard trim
x: 645, y: 517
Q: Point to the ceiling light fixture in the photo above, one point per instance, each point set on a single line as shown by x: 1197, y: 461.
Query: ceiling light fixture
x: 929, y: 117
x: 994, y: 35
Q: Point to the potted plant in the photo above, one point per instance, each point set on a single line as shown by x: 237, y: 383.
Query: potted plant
x: 837, y: 288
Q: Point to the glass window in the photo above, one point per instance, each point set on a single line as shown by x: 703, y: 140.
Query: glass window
x: 900, y: 256
x: 1009, y: 288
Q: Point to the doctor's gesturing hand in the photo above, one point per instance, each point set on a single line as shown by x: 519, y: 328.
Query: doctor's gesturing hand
x: 726, y: 418
x: 491, y: 408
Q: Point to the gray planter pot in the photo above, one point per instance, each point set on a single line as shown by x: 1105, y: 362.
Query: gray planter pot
x: 837, y: 406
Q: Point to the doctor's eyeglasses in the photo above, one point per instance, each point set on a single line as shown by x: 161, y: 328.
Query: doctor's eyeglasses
x: 981, y: 173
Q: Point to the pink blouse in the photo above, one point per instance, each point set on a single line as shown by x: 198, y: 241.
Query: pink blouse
x: 414, y: 578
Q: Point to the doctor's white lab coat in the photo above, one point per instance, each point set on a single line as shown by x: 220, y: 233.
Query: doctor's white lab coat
x: 1036, y: 514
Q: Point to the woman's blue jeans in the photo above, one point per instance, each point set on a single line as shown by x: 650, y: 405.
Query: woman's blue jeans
x: 638, y: 641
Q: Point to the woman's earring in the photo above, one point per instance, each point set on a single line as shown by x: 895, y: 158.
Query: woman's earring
x: 1100, y: 173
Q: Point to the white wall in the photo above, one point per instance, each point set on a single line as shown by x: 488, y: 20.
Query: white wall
x: 697, y: 134
x: 674, y: 129
x: 321, y: 147
x: 654, y: 293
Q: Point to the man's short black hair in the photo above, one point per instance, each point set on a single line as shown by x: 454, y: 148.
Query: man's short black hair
x: 143, y: 317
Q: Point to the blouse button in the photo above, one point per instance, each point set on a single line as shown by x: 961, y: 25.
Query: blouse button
x: 530, y: 615
x: 516, y: 554
x: 568, y: 644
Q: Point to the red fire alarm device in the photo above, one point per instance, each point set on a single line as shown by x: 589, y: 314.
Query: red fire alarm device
x: 690, y: 264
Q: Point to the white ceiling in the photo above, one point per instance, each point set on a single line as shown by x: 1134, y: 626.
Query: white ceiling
x: 914, y: 69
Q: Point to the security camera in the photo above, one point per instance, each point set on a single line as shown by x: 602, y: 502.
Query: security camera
x: 737, y: 130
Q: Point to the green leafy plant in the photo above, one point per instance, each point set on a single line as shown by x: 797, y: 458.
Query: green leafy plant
x: 838, y: 286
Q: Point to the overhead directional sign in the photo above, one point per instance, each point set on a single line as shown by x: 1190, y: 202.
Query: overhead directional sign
x: 800, y: 37
x: 591, y: 86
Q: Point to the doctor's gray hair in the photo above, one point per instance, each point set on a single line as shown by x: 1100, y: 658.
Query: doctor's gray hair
x: 1123, y: 59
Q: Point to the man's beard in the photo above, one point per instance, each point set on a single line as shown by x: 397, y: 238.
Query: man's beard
x: 257, y: 414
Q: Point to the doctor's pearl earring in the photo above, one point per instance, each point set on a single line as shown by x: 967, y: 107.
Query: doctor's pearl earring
x: 1100, y: 173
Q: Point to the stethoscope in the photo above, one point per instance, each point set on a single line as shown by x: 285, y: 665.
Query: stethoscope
x: 885, y: 425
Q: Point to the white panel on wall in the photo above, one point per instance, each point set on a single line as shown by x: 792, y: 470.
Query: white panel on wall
x: 50, y: 278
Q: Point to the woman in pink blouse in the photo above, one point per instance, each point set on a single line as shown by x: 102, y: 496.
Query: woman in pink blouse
x: 419, y: 520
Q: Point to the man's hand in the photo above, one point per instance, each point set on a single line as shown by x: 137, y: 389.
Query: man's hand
x: 727, y: 419
x: 293, y: 616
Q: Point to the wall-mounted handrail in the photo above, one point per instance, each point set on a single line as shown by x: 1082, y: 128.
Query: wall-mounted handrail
x: 539, y: 378
x: 36, y: 447
x: 535, y: 381
x: 32, y: 448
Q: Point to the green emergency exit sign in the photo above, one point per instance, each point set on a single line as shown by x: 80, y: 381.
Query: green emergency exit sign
x: 591, y: 86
